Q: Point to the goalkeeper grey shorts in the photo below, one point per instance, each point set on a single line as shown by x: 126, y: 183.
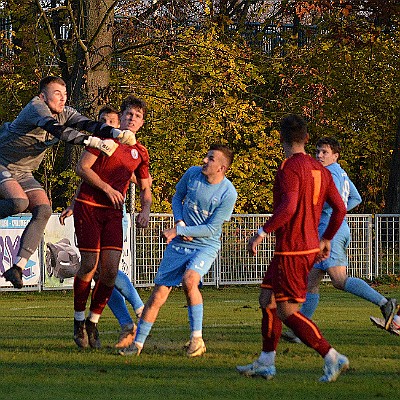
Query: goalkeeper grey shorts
x: 25, y: 179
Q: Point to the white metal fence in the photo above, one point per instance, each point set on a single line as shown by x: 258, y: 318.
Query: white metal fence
x: 374, y: 250
x: 368, y: 258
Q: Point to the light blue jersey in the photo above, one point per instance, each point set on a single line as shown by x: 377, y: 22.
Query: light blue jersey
x: 204, y: 207
x: 341, y: 240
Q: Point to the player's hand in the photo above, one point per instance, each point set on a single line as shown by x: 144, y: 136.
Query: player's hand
x: 324, y: 250
x: 65, y: 214
x: 116, y: 197
x: 252, y: 244
x: 187, y: 238
x: 127, y: 137
x: 107, y: 146
x: 142, y: 219
x: 169, y: 234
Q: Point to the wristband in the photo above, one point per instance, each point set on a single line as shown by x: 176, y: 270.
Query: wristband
x: 262, y: 233
x: 116, y: 132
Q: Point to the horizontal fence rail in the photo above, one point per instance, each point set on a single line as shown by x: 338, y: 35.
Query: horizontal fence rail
x: 374, y: 250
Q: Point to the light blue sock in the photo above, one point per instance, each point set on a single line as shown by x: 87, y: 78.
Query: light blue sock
x: 310, y: 305
x: 125, y: 286
x: 361, y: 289
x: 195, y: 314
x: 118, y: 307
x: 143, y: 330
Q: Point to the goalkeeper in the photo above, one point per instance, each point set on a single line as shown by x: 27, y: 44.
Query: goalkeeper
x: 43, y: 122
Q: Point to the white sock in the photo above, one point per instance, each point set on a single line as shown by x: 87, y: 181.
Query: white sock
x: 79, y: 315
x: 139, y: 311
x: 93, y: 317
x: 383, y: 302
x: 331, y: 355
x: 196, y: 334
x: 267, y: 357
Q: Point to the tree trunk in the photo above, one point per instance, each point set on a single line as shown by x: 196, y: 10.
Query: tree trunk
x: 90, y: 78
x: 89, y: 81
x: 393, y: 192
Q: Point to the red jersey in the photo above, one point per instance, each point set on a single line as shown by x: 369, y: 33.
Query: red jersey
x: 116, y: 171
x: 302, y: 186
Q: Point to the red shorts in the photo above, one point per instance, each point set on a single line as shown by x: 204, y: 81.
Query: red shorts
x: 97, y: 228
x: 287, y: 277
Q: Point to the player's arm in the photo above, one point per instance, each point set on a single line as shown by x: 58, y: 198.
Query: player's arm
x: 354, y: 197
x: 85, y: 171
x: 221, y: 214
x: 142, y: 220
x: 282, y: 213
x: 179, y: 196
x: 67, y: 212
x: 338, y: 211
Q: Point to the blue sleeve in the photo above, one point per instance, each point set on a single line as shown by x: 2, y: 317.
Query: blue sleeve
x: 179, y: 196
x: 221, y: 214
x: 354, y: 197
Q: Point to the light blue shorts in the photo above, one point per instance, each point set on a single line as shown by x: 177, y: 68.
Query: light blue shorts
x: 177, y: 259
x: 339, y: 245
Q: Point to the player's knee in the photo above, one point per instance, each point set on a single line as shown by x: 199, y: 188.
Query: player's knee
x: 19, y: 205
x: 42, y: 212
x: 338, y: 283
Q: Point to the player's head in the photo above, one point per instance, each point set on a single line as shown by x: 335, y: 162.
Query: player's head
x: 217, y: 161
x: 327, y: 151
x: 109, y: 115
x: 294, y: 130
x: 53, y: 91
x: 133, y: 112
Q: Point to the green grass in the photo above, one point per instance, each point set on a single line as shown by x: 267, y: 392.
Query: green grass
x: 39, y: 360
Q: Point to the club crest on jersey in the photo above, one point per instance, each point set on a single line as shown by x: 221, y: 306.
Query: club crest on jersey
x: 134, y: 154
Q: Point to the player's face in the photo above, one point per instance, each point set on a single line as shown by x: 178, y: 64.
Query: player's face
x: 55, y: 96
x: 132, y: 119
x: 214, y: 163
x: 111, y: 119
x: 325, y: 155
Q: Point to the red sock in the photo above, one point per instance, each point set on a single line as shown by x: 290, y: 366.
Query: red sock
x: 81, y: 293
x: 308, y: 333
x: 100, y: 295
x: 271, y: 329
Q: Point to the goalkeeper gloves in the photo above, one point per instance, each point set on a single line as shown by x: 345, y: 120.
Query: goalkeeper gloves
x: 127, y: 137
x: 107, y: 146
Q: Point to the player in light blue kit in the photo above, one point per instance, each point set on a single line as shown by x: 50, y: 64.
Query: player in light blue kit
x: 328, y: 152
x: 204, y: 199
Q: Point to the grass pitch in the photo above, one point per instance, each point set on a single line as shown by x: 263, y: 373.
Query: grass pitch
x: 39, y: 360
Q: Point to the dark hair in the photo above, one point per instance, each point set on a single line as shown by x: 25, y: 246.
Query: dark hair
x: 331, y: 142
x: 134, y: 102
x: 226, y: 151
x: 107, y: 110
x: 293, y: 129
x: 50, y: 79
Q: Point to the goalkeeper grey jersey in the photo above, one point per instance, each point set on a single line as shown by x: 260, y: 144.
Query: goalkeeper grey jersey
x: 24, y: 141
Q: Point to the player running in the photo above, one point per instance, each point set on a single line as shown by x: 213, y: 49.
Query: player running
x: 327, y: 153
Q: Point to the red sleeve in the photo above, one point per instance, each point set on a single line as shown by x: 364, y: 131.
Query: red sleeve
x: 142, y: 171
x: 338, y: 211
x: 288, y: 193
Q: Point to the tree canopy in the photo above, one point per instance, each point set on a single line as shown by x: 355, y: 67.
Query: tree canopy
x: 217, y: 71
